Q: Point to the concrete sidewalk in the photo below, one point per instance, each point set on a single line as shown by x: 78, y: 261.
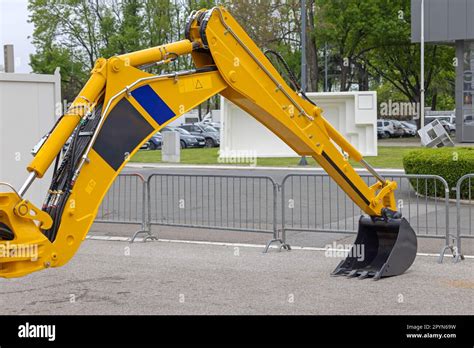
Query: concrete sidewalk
x: 108, y: 277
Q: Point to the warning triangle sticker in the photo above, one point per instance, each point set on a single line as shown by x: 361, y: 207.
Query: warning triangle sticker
x: 198, y: 85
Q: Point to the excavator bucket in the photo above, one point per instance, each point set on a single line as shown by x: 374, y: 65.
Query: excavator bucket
x: 382, y: 248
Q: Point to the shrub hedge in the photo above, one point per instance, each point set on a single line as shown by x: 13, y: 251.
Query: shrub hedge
x: 451, y: 163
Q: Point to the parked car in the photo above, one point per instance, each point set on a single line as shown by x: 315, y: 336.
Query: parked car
x: 155, y: 142
x: 390, y: 128
x: 381, y: 134
x: 385, y: 128
x: 411, y: 125
x: 185, y: 138
x: 450, y: 118
x: 409, y: 128
x: 208, y: 132
x: 215, y: 125
x: 449, y: 127
x: 399, y: 128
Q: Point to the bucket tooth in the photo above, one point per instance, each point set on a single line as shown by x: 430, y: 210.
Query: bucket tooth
x: 383, y: 248
x: 352, y: 273
x: 379, y: 273
x: 338, y: 271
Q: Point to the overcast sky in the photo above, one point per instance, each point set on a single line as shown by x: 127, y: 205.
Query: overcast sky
x: 14, y: 29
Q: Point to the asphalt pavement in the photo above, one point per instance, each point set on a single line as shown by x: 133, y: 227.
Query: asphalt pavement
x: 113, y: 277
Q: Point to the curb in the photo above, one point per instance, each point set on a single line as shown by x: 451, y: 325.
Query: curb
x: 244, y: 245
x: 225, y: 167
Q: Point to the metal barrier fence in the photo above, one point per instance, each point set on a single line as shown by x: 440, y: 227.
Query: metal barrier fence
x: 125, y: 203
x: 309, y: 203
x: 314, y: 203
x: 222, y: 202
x: 464, y: 210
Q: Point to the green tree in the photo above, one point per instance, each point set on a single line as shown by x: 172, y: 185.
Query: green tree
x: 72, y: 73
x: 73, y: 34
x: 272, y: 25
x: 346, y: 26
x: 370, y: 41
x: 396, y: 59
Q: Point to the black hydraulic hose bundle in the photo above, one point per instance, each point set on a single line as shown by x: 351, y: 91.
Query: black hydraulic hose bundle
x: 5, y: 232
x: 291, y: 74
x: 61, y: 184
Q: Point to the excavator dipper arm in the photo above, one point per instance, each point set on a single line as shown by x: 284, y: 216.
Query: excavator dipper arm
x: 122, y: 106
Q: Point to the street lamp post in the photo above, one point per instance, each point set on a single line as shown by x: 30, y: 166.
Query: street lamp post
x: 422, y: 72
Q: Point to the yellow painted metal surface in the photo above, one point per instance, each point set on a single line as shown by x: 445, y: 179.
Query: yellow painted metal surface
x: 156, y: 54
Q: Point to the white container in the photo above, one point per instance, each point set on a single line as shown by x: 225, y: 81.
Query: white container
x: 29, y: 106
x: 354, y: 114
x: 171, y: 148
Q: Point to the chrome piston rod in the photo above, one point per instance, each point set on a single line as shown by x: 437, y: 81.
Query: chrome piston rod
x: 27, y: 184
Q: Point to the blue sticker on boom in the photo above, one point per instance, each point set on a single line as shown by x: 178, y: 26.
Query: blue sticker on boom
x: 153, y: 104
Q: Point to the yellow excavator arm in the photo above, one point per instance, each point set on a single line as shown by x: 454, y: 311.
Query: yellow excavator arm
x: 122, y: 106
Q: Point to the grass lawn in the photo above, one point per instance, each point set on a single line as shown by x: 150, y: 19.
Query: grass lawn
x: 389, y: 157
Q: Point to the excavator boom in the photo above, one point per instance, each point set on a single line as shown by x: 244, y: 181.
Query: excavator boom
x: 122, y: 101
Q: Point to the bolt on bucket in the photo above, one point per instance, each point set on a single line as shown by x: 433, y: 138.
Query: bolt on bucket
x: 383, y: 248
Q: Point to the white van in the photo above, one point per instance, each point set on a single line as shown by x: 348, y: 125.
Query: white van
x: 450, y: 118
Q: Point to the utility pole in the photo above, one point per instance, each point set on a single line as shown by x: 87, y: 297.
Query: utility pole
x: 303, y: 161
x: 422, y: 72
x: 325, y: 67
x: 303, y: 45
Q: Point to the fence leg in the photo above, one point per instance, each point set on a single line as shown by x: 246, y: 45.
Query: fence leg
x: 454, y: 251
x: 276, y: 238
x: 146, y: 226
x: 149, y: 236
x: 458, y: 256
x: 448, y: 245
x: 283, y: 244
